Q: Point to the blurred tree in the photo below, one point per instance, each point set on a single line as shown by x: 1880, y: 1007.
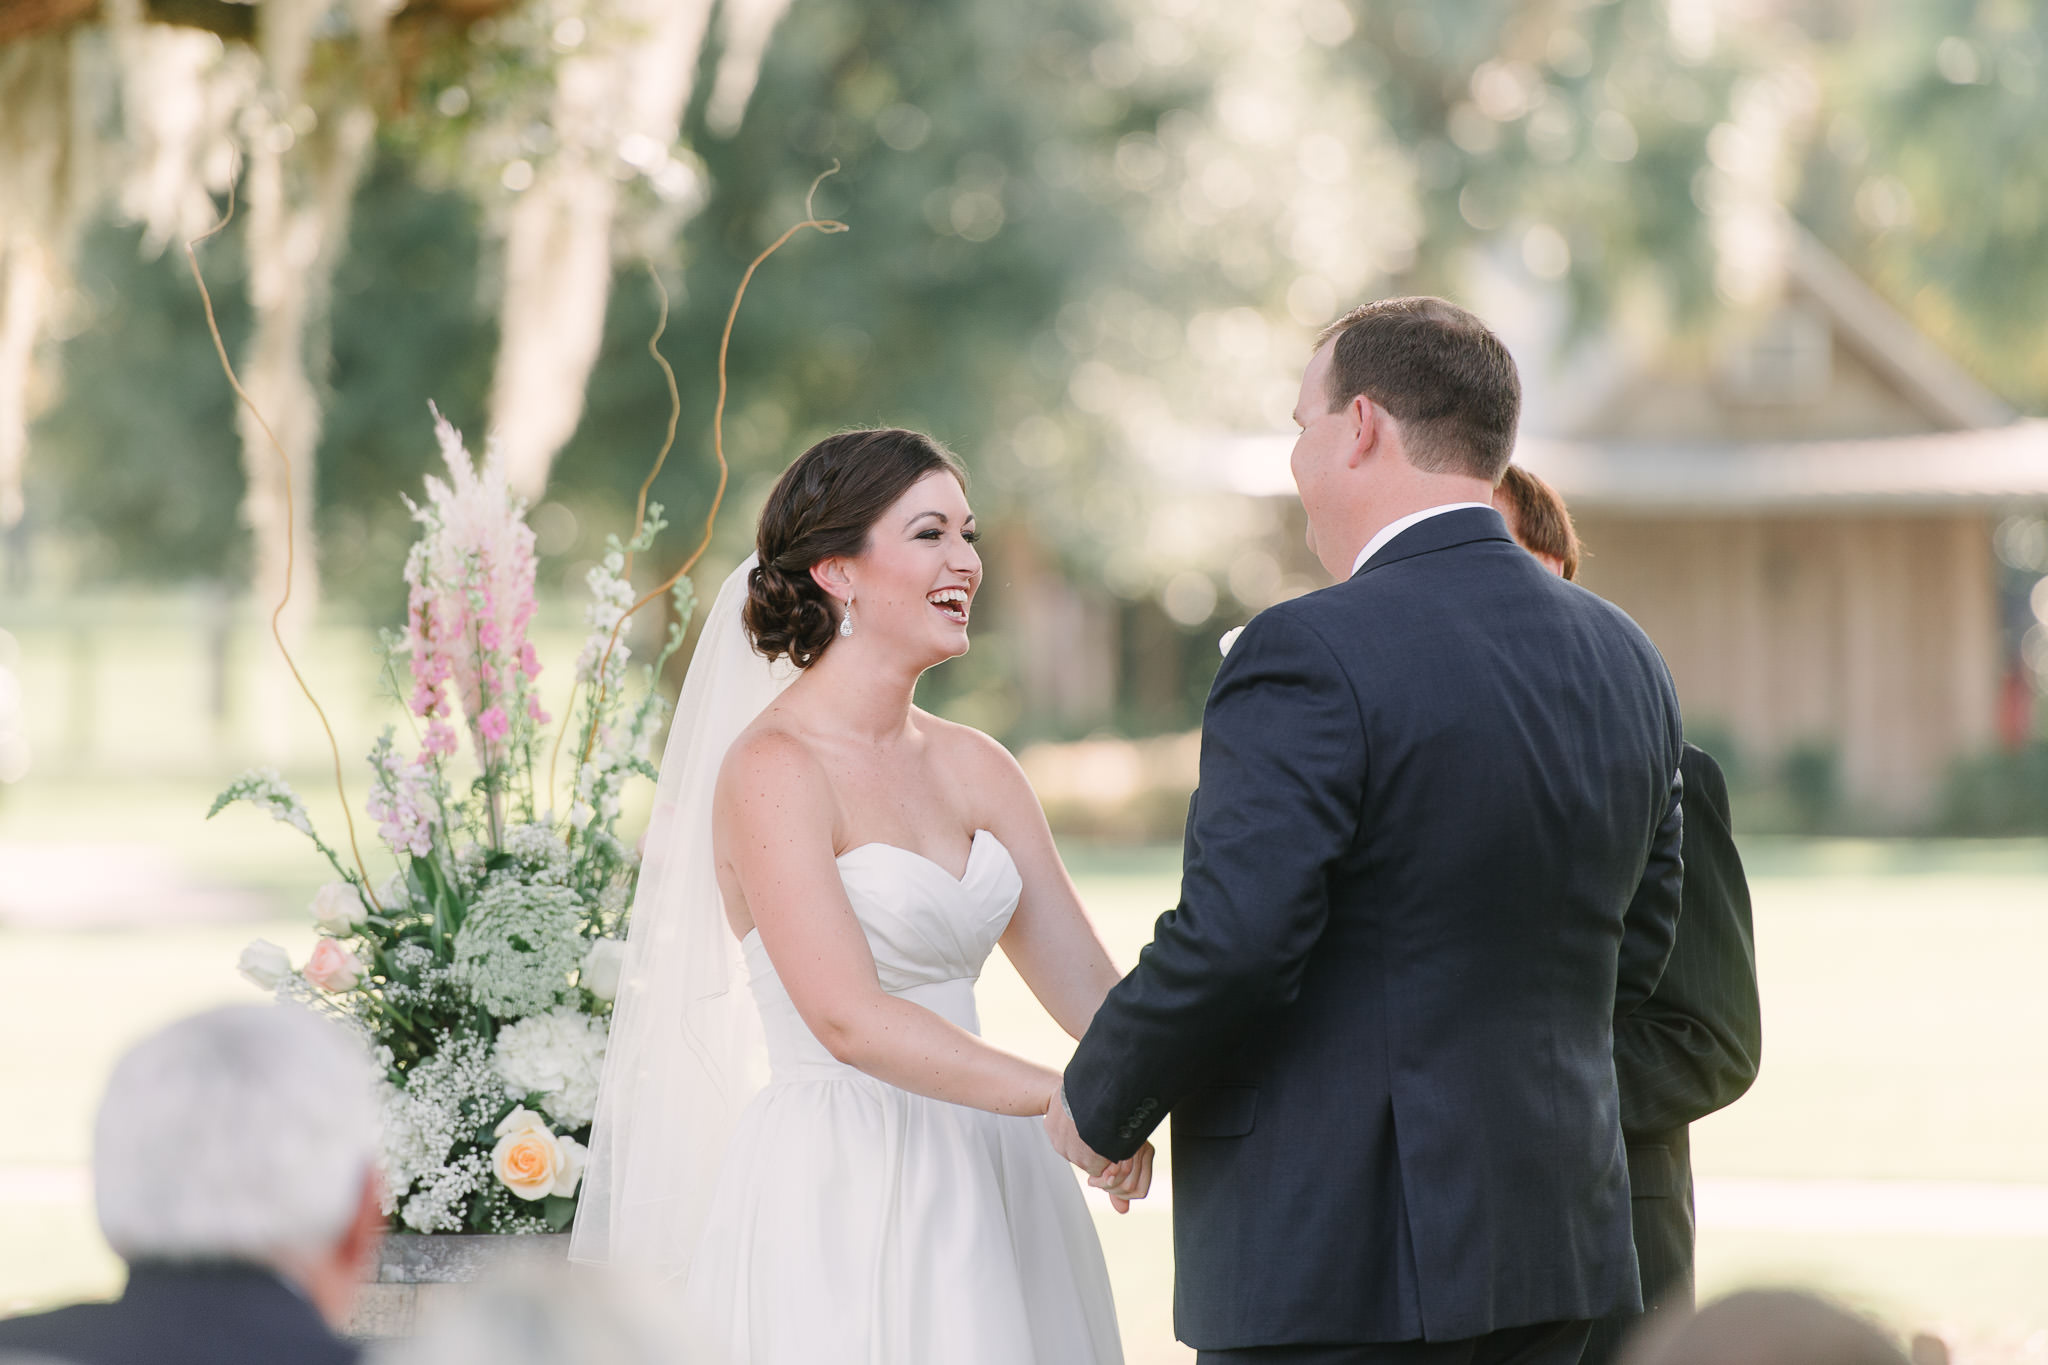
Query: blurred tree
x: 412, y: 324
x: 1569, y: 138
x: 937, y: 310
x: 1929, y: 172
x: 566, y: 109
x: 1088, y: 239
x: 137, y: 455
x: 136, y: 461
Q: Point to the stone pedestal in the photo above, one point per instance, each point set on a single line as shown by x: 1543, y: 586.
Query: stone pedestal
x: 415, y: 1271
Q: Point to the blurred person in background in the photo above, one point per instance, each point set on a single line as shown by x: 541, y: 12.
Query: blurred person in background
x: 542, y: 1318
x: 232, y: 1171
x: 1693, y: 1047
x: 1539, y: 521
x: 1764, y: 1327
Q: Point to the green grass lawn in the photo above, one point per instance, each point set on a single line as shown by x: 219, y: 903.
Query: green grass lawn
x: 1906, y: 1038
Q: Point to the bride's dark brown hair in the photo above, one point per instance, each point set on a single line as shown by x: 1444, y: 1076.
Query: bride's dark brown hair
x: 823, y: 507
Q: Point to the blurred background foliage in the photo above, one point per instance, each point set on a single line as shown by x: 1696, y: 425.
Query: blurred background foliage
x: 1080, y: 232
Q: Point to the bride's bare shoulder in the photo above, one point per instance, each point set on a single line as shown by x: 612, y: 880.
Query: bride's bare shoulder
x: 769, y: 757
x: 965, y: 748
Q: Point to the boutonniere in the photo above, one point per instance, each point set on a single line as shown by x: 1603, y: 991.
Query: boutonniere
x: 1229, y: 638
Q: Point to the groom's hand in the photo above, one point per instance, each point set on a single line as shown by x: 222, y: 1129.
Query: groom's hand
x: 1066, y: 1139
x: 1126, y: 1180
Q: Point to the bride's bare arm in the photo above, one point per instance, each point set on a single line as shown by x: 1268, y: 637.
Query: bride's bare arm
x: 776, y: 816
x: 1050, y: 940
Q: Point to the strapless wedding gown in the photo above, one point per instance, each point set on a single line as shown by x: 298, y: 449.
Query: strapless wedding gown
x: 858, y: 1224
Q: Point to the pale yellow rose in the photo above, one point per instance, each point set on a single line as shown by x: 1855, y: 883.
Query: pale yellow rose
x: 531, y: 1161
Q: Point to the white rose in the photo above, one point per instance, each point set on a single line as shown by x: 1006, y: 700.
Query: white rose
x: 531, y: 1161
x: 1229, y: 638
x: 338, y: 907
x: 263, y: 964
x: 575, y: 1156
x: 600, y: 971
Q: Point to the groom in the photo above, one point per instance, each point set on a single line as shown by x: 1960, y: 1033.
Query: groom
x: 1432, y: 858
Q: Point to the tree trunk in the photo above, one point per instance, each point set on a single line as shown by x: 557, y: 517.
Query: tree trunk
x: 300, y: 187
x: 558, y: 238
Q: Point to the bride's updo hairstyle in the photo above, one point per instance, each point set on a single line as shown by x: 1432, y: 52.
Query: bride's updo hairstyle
x: 823, y: 507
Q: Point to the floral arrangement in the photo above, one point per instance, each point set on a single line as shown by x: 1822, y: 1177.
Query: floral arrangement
x: 482, y: 970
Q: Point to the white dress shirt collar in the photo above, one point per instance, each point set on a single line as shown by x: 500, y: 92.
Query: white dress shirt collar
x: 1395, y: 528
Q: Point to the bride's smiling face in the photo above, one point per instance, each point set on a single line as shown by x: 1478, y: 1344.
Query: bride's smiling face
x: 913, y: 586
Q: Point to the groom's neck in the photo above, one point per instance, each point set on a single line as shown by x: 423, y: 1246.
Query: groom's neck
x: 1417, y: 491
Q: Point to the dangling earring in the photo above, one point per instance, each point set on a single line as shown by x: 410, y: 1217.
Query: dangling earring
x: 846, y: 621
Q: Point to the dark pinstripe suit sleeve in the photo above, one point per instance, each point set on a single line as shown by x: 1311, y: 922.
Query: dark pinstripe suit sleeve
x: 1694, y: 1046
x: 1281, y: 737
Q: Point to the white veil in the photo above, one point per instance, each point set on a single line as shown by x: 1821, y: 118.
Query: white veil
x: 686, y: 1052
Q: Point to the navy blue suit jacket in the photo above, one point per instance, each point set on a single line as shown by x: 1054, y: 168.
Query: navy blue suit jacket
x: 1433, y: 854
x: 213, y: 1314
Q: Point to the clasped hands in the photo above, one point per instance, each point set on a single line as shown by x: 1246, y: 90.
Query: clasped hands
x: 1123, y: 1180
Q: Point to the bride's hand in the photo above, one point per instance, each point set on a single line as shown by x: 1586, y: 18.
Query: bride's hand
x: 1126, y: 1180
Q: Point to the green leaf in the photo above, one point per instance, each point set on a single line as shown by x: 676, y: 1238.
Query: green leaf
x: 559, y: 1210
x: 480, y: 1213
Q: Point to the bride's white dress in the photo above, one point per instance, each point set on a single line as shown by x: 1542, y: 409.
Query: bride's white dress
x: 855, y: 1222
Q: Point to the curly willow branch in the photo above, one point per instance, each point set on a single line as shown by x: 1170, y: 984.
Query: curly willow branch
x: 290, y: 539
x: 826, y: 226
x: 675, y: 407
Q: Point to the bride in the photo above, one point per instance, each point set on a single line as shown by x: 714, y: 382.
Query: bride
x: 798, y: 1120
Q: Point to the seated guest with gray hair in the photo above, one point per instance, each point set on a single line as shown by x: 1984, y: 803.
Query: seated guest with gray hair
x: 1766, y: 1327
x: 232, y: 1170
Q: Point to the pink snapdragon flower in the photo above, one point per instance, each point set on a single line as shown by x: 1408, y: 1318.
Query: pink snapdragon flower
x: 440, y: 740
x: 402, y: 799
x: 470, y: 599
x: 492, y: 724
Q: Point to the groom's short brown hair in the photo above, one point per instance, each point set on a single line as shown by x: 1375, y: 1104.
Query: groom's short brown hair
x: 1443, y: 375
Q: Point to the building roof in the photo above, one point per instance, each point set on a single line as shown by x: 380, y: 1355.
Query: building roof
x: 1866, y: 323
x: 1988, y: 467
x: 1948, y: 469
x: 1985, y: 456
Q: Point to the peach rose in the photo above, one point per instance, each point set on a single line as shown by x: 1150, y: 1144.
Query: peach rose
x: 531, y: 1161
x: 333, y: 967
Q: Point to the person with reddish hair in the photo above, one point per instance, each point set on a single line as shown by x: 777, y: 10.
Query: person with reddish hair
x: 1539, y: 521
x: 1694, y: 1046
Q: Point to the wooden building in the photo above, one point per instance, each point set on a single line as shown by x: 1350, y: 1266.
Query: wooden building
x: 1801, y: 518
x: 1803, y: 522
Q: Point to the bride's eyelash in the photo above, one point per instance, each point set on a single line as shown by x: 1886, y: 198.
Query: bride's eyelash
x: 934, y: 533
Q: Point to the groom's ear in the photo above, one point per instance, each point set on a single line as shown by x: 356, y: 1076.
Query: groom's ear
x: 830, y: 574
x: 1369, y: 422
